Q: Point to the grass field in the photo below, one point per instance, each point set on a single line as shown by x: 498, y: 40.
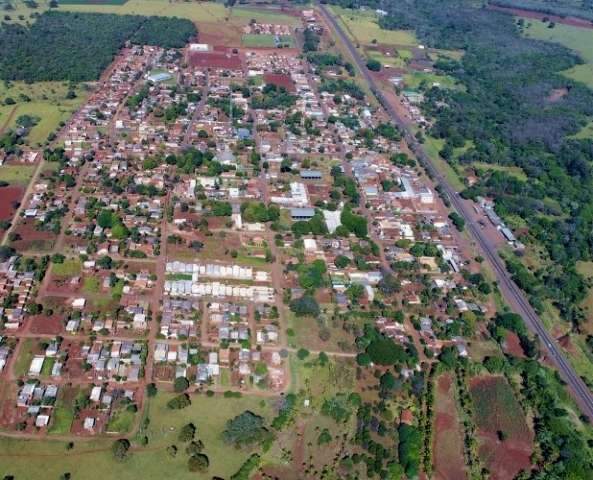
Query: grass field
x: 16, y: 174
x: 414, y: 79
x: 47, y: 101
x: 69, y: 268
x: 265, y: 41
x: 23, y: 361
x: 50, y: 459
x: 363, y: 28
x: 578, y: 39
x: 121, y: 421
x: 587, y: 131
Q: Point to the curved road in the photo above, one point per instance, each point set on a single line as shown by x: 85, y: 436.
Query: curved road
x: 513, y: 295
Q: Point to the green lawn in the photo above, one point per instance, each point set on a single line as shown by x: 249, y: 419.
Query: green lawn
x: 17, y: 174
x: 48, y: 365
x: 578, y: 39
x: 121, y: 421
x: 62, y: 418
x: 91, y: 285
x: 23, y: 362
x: 362, y: 26
x: 69, y: 268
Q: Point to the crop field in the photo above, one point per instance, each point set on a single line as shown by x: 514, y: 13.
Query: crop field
x: 505, y: 439
x: 364, y: 29
x: 578, y: 39
x: 448, y: 436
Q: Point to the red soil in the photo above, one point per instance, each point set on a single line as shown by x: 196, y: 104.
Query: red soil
x: 46, y: 325
x: 8, y: 196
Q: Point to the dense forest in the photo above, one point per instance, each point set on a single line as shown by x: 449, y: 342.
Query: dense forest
x: 79, y: 46
x: 572, y: 8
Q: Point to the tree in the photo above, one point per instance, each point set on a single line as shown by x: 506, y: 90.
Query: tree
x: 341, y: 261
x: 373, y: 65
x: 187, y: 432
x: 151, y: 390
x: 302, y: 353
x: 179, y: 402
x: 306, y: 305
x: 198, y: 463
x: 245, y: 429
x: 181, y: 384
x: 120, y: 449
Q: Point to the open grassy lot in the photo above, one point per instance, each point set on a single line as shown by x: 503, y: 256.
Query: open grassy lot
x: 69, y: 268
x: 50, y: 459
x: 23, y: 361
x: 578, y: 39
x: 265, y: 41
x: 16, y: 174
x: 121, y: 421
x: 414, y: 79
x: 44, y: 100
x: 363, y: 28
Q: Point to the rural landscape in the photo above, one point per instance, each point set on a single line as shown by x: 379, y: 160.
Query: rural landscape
x: 285, y: 240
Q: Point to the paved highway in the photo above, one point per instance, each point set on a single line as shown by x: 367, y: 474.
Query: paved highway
x: 511, y: 292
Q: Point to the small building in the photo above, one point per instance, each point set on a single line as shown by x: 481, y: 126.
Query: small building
x: 302, y: 214
x: 311, y: 175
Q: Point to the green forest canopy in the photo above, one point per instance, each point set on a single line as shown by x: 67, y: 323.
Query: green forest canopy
x: 79, y: 46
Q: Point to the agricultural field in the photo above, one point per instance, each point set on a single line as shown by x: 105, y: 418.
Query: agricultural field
x: 578, y: 39
x: 505, y: 439
x: 448, y: 433
x: 363, y: 28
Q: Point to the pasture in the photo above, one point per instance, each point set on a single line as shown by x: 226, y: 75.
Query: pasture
x: 578, y: 39
x: 266, y: 41
x: 50, y: 459
x: 363, y: 28
x: 45, y: 100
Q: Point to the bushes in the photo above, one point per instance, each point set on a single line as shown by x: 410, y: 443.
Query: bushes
x: 179, y: 402
x: 120, y: 449
x: 409, y: 448
x: 374, y: 65
x: 181, y: 384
